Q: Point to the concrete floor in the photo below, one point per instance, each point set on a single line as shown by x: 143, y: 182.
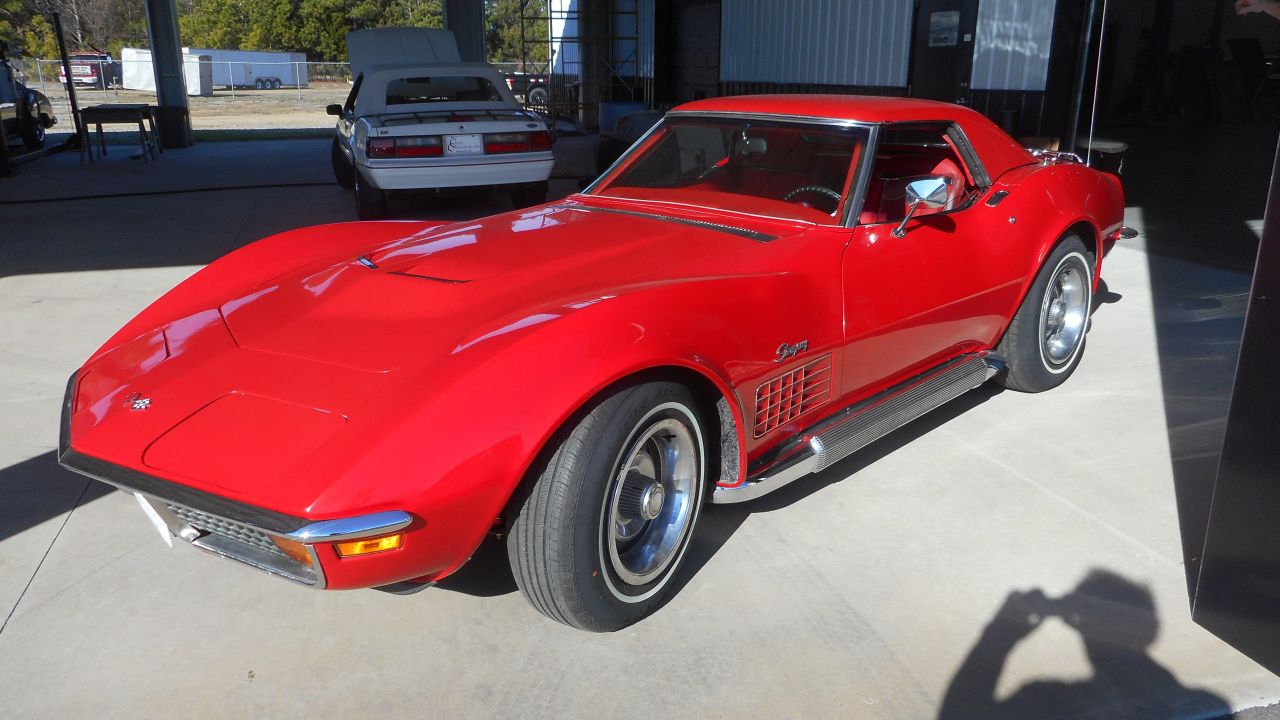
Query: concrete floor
x: 1007, y: 556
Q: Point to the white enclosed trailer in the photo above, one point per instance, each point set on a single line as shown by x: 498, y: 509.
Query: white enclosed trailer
x: 255, y: 69
x: 137, y: 72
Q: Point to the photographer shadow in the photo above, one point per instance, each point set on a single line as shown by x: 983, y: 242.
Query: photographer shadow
x: 1116, y: 619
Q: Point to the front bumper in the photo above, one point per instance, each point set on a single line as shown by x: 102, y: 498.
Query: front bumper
x: 278, y: 543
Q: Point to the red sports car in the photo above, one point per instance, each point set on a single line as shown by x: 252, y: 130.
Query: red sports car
x: 758, y: 288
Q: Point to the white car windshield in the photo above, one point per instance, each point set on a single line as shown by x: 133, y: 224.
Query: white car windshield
x: 441, y: 88
x: 783, y: 169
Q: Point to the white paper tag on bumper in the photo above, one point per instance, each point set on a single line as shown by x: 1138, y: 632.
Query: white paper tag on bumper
x: 155, y: 519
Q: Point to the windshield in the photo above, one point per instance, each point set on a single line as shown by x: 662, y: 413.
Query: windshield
x: 783, y: 169
x: 440, y: 88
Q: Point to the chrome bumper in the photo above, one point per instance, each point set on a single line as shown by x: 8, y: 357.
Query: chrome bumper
x: 225, y: 527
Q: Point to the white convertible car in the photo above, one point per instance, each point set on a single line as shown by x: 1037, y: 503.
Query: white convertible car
x: 417, y: 118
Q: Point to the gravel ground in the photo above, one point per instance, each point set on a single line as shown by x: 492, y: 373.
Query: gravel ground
x: 226, y: 109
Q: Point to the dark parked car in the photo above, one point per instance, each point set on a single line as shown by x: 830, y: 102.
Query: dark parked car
x: 532, y: 88
x: 25, y: 112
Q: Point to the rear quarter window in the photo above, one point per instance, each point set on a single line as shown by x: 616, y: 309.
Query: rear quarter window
x: 441, y: 88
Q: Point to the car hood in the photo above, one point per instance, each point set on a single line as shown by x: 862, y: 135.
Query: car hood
x: 445, y: 289
x: 328, y: 349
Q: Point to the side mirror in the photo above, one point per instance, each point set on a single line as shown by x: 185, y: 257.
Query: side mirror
x: 333, y: 109
x: 752, y: 146
x: 931, y: 192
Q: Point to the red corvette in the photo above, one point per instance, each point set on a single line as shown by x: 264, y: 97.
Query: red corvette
x: 758, y: 288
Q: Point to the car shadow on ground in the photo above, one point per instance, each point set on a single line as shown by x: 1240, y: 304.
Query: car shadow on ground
x: 1117, y: 622
x: 36, y: 490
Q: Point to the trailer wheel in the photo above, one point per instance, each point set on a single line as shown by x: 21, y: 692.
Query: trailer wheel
x: 259, y: 85
x: 276, y: 84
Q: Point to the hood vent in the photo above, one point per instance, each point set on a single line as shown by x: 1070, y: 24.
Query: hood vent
x: 369, y: 263
x: 705, y: 225
x: 429, y: 277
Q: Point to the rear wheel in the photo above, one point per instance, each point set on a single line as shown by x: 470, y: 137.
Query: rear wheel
x: 529, y: 195
x: 276, y: 84
x: 1046, y: 339
x: 599, y: 535
x: 371, y: 203
x: 343, y: 172
x: 538, y: 96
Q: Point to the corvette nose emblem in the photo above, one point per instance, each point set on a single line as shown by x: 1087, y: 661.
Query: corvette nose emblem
x: 136, y: 402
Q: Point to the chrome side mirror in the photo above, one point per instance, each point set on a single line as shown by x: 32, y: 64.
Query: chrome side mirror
x: 931, y: 192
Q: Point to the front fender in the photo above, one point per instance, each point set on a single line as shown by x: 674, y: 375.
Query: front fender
x: 452, y: 442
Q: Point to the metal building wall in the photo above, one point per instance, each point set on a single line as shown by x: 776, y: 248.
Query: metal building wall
x: 864, y: 43
x: 1012, y: 43
x: 645, y: 14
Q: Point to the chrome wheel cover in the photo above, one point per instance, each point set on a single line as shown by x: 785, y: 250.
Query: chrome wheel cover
x: 652, y: 500
x: 1064, y: 311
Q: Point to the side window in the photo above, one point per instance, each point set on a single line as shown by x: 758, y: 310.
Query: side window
x: 350, y: 104
x: 6, y: 85
x: 907, y: 153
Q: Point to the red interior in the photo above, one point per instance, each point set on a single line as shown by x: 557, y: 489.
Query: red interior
x: 887, y: 192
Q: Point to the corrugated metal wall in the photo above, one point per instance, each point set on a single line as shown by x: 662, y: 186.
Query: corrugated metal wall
x: 1011, y: 47
x: 644, y: 41
x: 852, y: 42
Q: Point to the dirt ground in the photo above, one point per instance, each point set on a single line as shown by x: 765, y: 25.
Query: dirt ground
x: 226, y: 109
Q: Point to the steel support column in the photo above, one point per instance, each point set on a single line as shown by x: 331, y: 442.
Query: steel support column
x: 465, y: 18
x: 171, y: 88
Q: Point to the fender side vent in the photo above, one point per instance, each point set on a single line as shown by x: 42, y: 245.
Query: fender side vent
x: 792, y: 394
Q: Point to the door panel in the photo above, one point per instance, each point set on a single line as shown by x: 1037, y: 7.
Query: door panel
x: 944, y: 288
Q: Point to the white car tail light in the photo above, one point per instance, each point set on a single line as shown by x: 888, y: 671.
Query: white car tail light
x: 402, y: 147
x: 495, y: 143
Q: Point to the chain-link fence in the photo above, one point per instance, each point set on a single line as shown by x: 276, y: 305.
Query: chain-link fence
x: 227, y: 95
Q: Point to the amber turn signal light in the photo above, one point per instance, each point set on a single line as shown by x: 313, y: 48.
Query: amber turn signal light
x: 295, y: 550
x: 352, y: 548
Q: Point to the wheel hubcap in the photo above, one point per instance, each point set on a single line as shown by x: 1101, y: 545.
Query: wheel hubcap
x: 652, y: 502
x: 1063, y: 314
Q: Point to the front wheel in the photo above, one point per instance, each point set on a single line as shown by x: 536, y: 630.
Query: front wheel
x: 599, y: 535
x: 1045, y: 341
x: 33, y: 130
